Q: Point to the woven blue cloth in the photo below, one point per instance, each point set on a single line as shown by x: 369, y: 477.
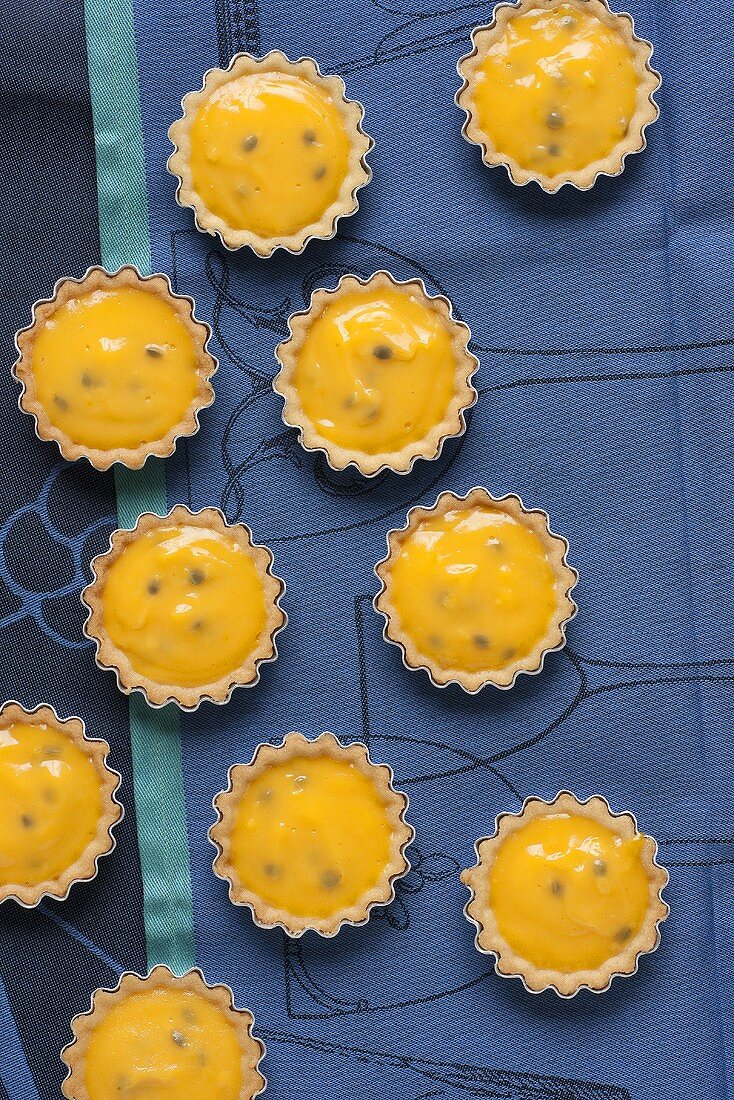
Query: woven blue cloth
x: 53, y: 518
x: 604, y: 323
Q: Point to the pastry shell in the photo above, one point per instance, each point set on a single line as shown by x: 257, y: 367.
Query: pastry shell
x: 430, y: 446
x: 266, y: 756
x: 646, y: 109
x: 84, y: 869
x: 565, y: 580
x: 358, y: 172
x: 161, y: 977
x: 109, y: 656
x: 66, y: 290
x: 508, y: 964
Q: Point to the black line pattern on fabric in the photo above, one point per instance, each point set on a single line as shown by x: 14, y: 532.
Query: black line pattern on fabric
x: 473, y: 1080
x: 283, y: 445
x: 238, y: 28
x: 584, y: 692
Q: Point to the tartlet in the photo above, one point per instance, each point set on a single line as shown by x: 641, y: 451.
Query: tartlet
x: 566, y: 894
x: 269, y: 153
x: 376, y: 373
x: 184, y: 607
x: 476, y: 590
x: 310, y: 835
x: 114, y: 367
x: 558, y: 91
x: 163, y: 1034
x: 58, y: 804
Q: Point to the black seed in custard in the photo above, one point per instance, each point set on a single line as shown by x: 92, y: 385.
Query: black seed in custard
x: 155, y: 351
x: 623, y: 934
x: 600, y: 868
x: 250, y: 143
x: 350, y: 401
x: 554, y: 120
x: 197, y: 625
x: 61, y: 402
x: 179, y: 1039
x: 557, y: 888
x: 272, y: 870
x: 481, y: 641
x: 49, y: 796
x: 330, y: 880
x: 309, y: 137
x: 26, y: 821
x: 554, y: 150
x: 87, y: 380
x: 509, y: 652
x: 197, y: 576
x: 154, y: 587
x: 382, y: 351
x: 189, y: 1015
x: 319, y: 172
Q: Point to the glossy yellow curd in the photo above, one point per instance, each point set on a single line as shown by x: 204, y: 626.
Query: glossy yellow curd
x: 115, y: 368
x: 185, y: 604
x: 377, y: 370
x: 556, y: 91
x: 567, y: 892
x: 269, y: 153
x: 473, y: 589
x: 50, y: 803
x: 164, y: 1044
x: 311, y: 836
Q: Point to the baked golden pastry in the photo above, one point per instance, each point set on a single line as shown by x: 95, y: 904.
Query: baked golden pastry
x: 115, y: 368
x: 163, y: 1035
x: 269, y: 153
x: 476, y: 590
x: 184, y: 607
x: 558, y: 91
x: 376, y: 373
x: 310, y: 835
x: 57, y: 804
x: 566, y: 895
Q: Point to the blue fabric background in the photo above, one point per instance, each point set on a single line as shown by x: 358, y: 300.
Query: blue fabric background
x: 604, y: 323
x: 53, y: 518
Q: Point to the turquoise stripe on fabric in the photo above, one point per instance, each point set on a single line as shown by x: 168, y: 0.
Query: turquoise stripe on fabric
x: 124, y: 238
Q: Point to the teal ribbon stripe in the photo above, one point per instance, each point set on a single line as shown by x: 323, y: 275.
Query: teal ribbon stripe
x: 124, y: 239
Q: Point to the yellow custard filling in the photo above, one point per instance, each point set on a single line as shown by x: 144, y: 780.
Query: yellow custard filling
x: 164, y: 1044
x: 557, y: 91
x: 50, y: 803
x: 567, y: 892
x: 185, y: 604
x: 115, y: 368
x: 311, y: 836
x: 377, y: 370
x: 269, y: 153
x: 473, y: 589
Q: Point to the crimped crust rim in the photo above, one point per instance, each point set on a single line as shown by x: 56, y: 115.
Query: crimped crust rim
x: 396, y: 805
x: 358, y: 172
x: 566, y: 579
x: 451, y: 426
x: 109, y: 656
x: 161, y: 977
x: 96, y: 749
x: 634, y: 141
x: 508, y: 964
x: 98, y: 278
